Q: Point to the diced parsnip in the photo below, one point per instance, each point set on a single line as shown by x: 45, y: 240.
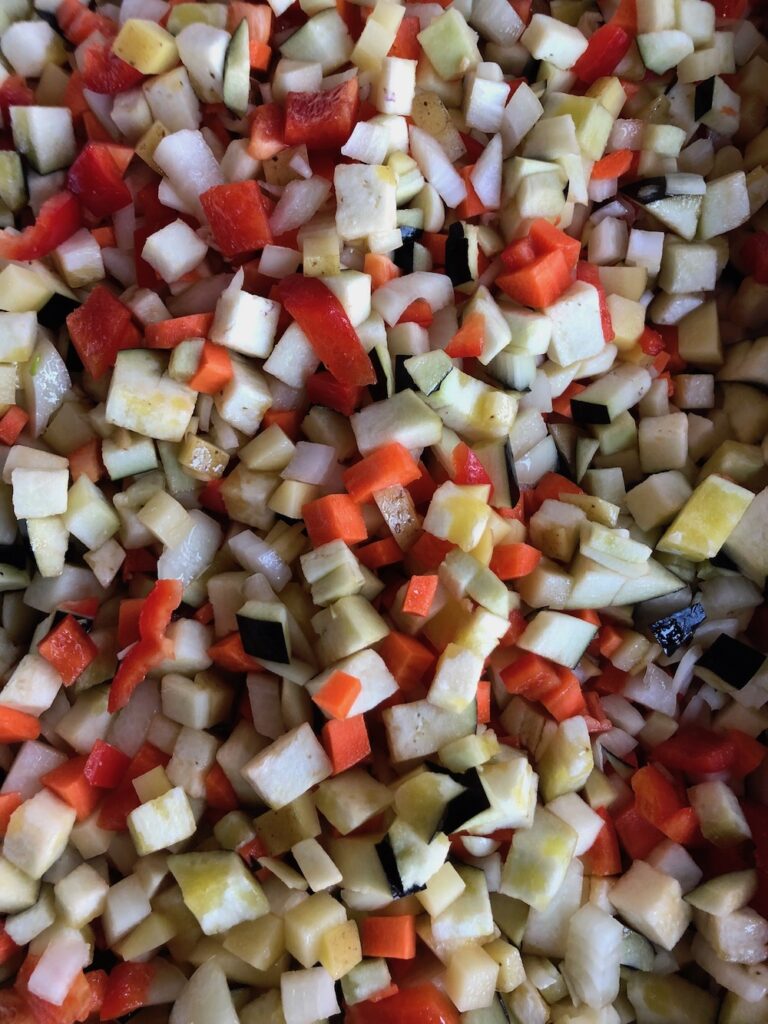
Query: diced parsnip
x: 511, y: 970
x: 656, y: 500
x: 395, y: 86
x: 81, y: 895
x: 165, y: 517
x: 89, y: 516
x: 365, y: 200
x: 245, y: 322
x: 218, y: 889
x: 39, y: 492
x: 32, y: 687
x: 457, y: 674
x: 126, y: 905
x: 559, y: 637
x: 159, y: 823
x: 143, y: 399
x: 720, y: 816
x: 174, y: 250
x: 567, y: 761
x: 350, y: 799
x: 593, y: 955
x: 652, y: 903
x: 18, y: 892
x: 38, y: 832
x: 471, y: 977
x: 199, y: 703
x: 538, y: 860
x: 205, y: 998
x: 442, y: 889
x: 307, y: 995
x: 288, y: 767
x: 194, y: 754
x: 306, y: 923
x: 554, y: 41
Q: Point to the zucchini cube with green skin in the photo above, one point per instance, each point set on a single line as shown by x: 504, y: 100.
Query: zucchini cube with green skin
x: 706, y: 520
x: 142, y: 398
x: 159, y: 823
x: 264, y: 630
x: 218, y: 889
x: 538, y: 860
x: 651, y: 903
x: 450, y: 45
x: 561, y: 638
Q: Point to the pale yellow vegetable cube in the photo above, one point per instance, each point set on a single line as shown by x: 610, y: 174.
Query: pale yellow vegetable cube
x: 161, y: 822
x: 146, y: 46
x: 706, y: 520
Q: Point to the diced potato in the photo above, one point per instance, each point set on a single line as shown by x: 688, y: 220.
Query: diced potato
x: 218, y: 889
x: 652, y: 903
x: 161, y: 822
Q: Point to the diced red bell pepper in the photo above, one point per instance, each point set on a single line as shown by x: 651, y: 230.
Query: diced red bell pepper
x: 730, y: 10
x: 237, y: 217
x: 418, y: 312
x: 423, y: 1004
x: 467, y: 467
x: 321, y: 120
x: 7, y: 948
x: 754, y: 252
x: 133, y: 669
x: 105, y: 766
x: 324, y: 320
x: 14, y: 92
x: 406, y: 45
x: 625, y: 16
x: 651, y: 342
x: 77, y: 22
x: 83, y: 999
x: 589, y: 273
x: 159, y: 605
x: 97, y: 181
x: 696, y: 751
x: 69, y: 649
x: 605, y: 50
x: 106, y: 73
x: 603, y: 857
x: 127, y: 989
x: 58, y: 219
x: 267, y: 131
x: 98, y: 330
x: 637, y: 835
x: 749, y: 753
x: 322, y: 388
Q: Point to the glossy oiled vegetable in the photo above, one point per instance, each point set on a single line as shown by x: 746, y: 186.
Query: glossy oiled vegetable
x: 383, y: 510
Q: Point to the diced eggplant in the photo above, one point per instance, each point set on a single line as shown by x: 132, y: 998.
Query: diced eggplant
x: 403, y: 379
x: 263, y: 630
x: 457, y: 256
x: 703, y: 96
x: 466, y: 805
x: 389, y: 864
x: 730, y: 661
x: 403, y: 256
x: 382, y: 367
x: 678, y: 628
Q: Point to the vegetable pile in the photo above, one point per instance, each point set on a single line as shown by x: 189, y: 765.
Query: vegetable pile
x: 384, y: 512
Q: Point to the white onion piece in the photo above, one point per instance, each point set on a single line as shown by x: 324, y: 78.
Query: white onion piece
x: 124, y: 223
x: 47, y: 593
x: 751, y: 983
x: 437, y: 168
x: 392, y: 299
x: 200, y: 297
x: 618, y: 742
x: 33, y: 760
x: 46, y: 382
x: 257, y: 556
x: 299, y: 202
x: 129, y: 729
x: 120, y: 264
x: 149, y: 10
x: 64, y: 957
x: 278, y: 261
x: 189, y: 162
x: 186, y: 560
x: 486, y: 176
x: 684, y: 671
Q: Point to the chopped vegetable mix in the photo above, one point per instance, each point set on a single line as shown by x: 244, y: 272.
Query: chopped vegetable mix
x: 384, y: 512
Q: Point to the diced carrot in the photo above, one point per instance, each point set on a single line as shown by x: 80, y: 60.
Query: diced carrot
x: 545, y: 238
x: 513, y: 561
x: 610, y: 680
x: 170, y: 333
x: 259, y: 55
x: 334, y: 517
x: 419, y: 595
x: 468, y: 341
x: 388, y: 466
x: 428, y: 551
x: 213, y: 371
x: 17, y: 726
x: 609, y: 639
x: 612, y: 165
x: 530, y: 675
x: 8, y: 804
x: 472, y: 206
x: 517, y: 626
x: 519, y: 253
x: 346, y: 742
x: 379, y: 553
x: 484, y: 702
x: 228, y: 654
x: 258, y: 16
x: 204, y: 614
x: 552, y: 485
x: 338, y: 693
x: 391, y: 937
x: 289, y: 421
x: 406, y: 658
x: 587, y: 615
x: 69, y: 783
x: 539, y: 283
x: 380, y: 268
x: 104, y: 236
x: 566, y: 700
x: 219, y: 792
x: 436, y: 245
x: 12, y: 424
x: 625, y: 16
x: 86, y: 461
x: 562, y: 404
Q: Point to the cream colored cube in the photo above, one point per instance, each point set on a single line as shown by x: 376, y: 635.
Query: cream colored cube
x: 306, y: 924
x: 38, y: 832
x: 81, y: 895
x: 365, y: 200
x: 161, y: 822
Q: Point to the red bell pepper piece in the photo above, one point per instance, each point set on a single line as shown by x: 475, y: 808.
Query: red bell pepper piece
x: 133, y: 669
x: 467, y: 467
x: 637, y: 835
x: 105, y: 766
x: 323, y: 389
x: 603, y: 857
x: 605, y: 50
x: 237, y: 216
x: 118, y: 804
x: 323, y: 319
x: 127, y: 989
x: 754, y: 252
x: 589, y: 273
x: 106, y: 73
x: 14, y: 92
x: 12, y: 424
x: 730, y: 10
x: 98, y: 330
x: 423, y: 1004
x: 696, y: 751
x: 625, y: 16
x: 267, y: 131
x: 321, y: 120
x: 749, y: 753
x: 7, y: 947
x: 58, y: 219
x: 159, y: 606
x: 69, y: 649
x: 83, y: 999
x: 97, y: 181
x: 78, y: 22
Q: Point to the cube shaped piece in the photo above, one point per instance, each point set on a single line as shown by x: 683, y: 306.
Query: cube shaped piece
x: 308, y: 995
x: 553, y: 41
x: 366, y: 200
x: 651, y: 903
x: 82, y: 895
x: 350, y: 799
x: 288, y: 767
x: 245, y: 323
x: 306, y: 923
x: 471, y: 977
x: 146, y: 46
x: 443, y: 888
x: 89, y: 516
x: 663, y: 442
x: 199, y: 703
x: 658, y: 498
x: 174, y: 250
x: 706, y: 520
x: 218, y: 889
x: 450, y: 45
x: 577, y: 331
x: 39, y: 492
x: 456, y: 677
x: 245, y: 398
x: 161, y: 822
x: 18, y: 334
x: 38, y: 832
x: 538, y: 860
x: 561, y: 638
x: 144, y: 399
x: 17, y: 890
